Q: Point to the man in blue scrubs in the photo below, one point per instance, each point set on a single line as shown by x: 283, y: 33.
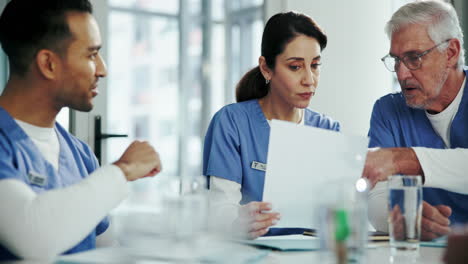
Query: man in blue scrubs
x: 53, y: 196
x: 423, y: 130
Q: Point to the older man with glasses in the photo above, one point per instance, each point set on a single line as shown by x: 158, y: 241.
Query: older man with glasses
x: 423, y: 130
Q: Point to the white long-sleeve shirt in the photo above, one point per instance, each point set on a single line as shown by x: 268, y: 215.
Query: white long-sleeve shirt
x: 225, y: 196
x: 40, y: 226
x: 443, y: 168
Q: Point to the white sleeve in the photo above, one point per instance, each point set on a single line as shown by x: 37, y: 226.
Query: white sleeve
x: 41, y: 226
x: 224, y: 197
x: 378, y: 211
x: 444, y: 168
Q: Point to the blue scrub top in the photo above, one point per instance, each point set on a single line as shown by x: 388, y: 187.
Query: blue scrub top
x: 237, y: 136
x: 394, y: 124
x: 20, y: 158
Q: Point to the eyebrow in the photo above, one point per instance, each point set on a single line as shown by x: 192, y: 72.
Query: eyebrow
x: 301, y: 59
x: 94, y: 48
x: 405, y: 53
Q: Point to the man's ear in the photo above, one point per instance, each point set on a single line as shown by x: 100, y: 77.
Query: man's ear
x: 48, y: 63
x: 266, y: 72
x: 453, y: 53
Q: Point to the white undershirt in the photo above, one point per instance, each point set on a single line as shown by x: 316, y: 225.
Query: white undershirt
x: 443, y: 168
x: 41, y: 226
x: 45, y: 139
x: 442, y: 121
x: 225, y: 196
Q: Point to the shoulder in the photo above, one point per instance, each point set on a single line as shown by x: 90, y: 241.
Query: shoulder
x: 237, y: 112
x: 391, y: 100
x: 234, y: 120
x: 316, y: 119
x: 239, y: 109
x: 391, y: 106
x: 6, y: 145
x: 8, y: 133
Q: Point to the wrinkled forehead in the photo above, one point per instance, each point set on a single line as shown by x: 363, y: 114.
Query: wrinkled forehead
x: 409, y: 38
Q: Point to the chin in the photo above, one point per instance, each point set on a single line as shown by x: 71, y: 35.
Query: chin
x: 82, y: 108
x: 302, y: 105
x: 416, y: 105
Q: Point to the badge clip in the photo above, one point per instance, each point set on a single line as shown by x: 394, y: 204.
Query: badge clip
x: 258, y: 166
x: 37, y: 179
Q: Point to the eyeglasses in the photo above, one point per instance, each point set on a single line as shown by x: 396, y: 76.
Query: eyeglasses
x: 412, y: 61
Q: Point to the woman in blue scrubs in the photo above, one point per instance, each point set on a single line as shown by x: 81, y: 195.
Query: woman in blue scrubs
x: 236, y: 143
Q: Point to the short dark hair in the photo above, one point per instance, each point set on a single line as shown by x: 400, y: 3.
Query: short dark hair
x: 27, y: 26
x: 280, y: 29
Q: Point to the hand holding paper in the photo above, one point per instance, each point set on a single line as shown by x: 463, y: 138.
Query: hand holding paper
x: 255, y: 219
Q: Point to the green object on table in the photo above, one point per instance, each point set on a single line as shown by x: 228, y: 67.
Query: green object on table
x: 342, y: 225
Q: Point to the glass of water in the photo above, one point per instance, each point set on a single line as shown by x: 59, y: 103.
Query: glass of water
x: 404, y: 213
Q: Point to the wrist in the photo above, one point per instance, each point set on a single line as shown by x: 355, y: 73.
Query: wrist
x: 406, y: 162
x: 124, y: 167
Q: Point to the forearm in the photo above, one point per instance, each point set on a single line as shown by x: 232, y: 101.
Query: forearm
x: 378, y: 207
x: 406, y: 162
x: 224, y: 196
x: 42, y: 226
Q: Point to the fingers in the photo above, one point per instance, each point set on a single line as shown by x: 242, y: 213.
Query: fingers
x: 432, y: 213
x: 158, y: 166
x: 398, y: 223
x: 445, y: 210
x: 260, y: 217
x: 258, y: 233
x: 252, y: 208
x: 435, y: 222
x: 139, y: 160
x: 256, y: 219
x: 433, y: 229
x: 428, y: 235
x: 259, y: 228
x: 255, y: 226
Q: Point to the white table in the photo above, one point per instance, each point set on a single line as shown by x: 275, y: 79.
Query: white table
x: 380, y: 255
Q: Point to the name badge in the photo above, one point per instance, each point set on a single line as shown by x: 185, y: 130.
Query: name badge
x: 258, y: 166
x: 37, y: 179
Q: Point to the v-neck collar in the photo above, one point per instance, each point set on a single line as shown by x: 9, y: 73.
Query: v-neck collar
x: 16, y: 133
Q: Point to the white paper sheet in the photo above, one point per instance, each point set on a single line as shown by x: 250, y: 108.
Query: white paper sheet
x: 304, y: 163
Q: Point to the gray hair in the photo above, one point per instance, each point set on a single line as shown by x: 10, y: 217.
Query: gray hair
x: 440, y: 18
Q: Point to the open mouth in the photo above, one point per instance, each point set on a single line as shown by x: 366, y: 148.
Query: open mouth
x: 95, y: 91
x: 410, y: 89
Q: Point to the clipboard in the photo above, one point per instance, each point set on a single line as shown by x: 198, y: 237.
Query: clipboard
x: 376, y: 236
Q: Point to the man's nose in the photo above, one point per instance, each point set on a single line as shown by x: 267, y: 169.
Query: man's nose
x: 403, y: 73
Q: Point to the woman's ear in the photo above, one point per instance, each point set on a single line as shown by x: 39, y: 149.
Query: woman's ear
x: 266, y: 72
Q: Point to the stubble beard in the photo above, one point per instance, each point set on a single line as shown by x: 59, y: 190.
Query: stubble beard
x: 442, y: 78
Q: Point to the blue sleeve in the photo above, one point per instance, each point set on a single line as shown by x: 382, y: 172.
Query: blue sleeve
x: 102, y: 226
x: 336, y: 126
x: 221, y: 152
x: 319, y: 120
x: 380, y: 133
x: 8, y: 169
